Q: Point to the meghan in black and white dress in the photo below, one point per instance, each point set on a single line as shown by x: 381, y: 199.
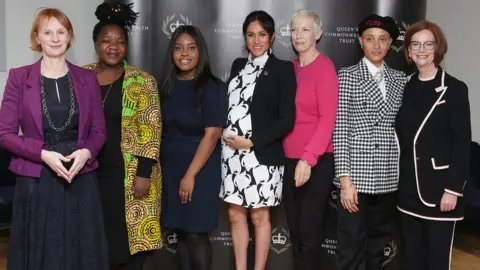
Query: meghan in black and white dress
x: 261, y: 111
x: 246, y: 182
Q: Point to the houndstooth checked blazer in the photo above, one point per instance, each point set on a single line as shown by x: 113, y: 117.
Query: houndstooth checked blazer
x: 364, y: 142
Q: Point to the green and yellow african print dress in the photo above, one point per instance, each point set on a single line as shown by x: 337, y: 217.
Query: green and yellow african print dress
x: 132, y: 112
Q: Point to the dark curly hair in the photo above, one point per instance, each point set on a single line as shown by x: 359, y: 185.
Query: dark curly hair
x: 121, y: 15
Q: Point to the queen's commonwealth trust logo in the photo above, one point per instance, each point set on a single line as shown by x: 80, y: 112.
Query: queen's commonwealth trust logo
x: 398, y: 45
x: 389, y: 252
x: 285, y: 31
x: 280, y: 241
x: 170, y: 24
x: 332, y: 199
x: 171, y: 242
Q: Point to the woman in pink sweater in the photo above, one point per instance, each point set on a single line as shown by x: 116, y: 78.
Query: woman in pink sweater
x: 309, y: 172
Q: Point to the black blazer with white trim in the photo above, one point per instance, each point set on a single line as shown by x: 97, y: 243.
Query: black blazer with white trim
x: 440, y: 151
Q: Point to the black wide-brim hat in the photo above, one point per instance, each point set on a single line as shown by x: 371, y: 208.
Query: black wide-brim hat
x: 376, y: 21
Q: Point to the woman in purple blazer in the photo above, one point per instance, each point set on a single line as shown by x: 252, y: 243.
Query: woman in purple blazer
x: 57, y: 222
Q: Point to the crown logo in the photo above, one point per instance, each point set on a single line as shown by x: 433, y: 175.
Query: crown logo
x: 387, y: 251
x: 169, y: 25
x: 279, y: 239
x: 174, y: 26
x: 397, y: 47
x: 172, y: 239
x: 403, y: 28
x: 286, y: 30
x: 401, y: 37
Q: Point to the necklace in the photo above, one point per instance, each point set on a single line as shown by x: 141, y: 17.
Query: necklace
x: 108, y: 92
x: 110, y: 88
x: 45, y: 106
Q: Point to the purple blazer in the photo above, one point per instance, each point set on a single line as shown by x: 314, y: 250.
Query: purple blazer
x: 21, y: 108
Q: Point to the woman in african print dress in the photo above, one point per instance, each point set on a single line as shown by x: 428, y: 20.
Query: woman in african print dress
x: 129, y: 173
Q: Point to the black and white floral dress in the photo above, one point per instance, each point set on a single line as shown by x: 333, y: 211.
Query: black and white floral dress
x: 245, y: 181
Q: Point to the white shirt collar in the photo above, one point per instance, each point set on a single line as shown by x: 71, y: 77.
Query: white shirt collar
x: 260, y: 60
x: 371, y: 67
x: 373, y: 70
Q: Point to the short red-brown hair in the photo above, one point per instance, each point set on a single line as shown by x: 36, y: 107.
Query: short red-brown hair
x: 441, y: 45
x: 42, y: 17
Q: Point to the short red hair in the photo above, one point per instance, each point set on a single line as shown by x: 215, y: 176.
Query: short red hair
x: 441, y: 45
x: 42, y: 17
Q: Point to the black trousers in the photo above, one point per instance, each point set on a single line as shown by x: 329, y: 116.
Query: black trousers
x: 426, y: 244
x: 362, y: 236
x: 136, y: 262
x: 194, y: 251
x: 305, y: 207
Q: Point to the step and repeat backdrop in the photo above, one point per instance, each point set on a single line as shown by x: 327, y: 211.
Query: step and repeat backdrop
x: 221, y: 23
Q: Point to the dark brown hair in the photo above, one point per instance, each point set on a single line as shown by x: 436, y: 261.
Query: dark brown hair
x: 265, y: 20
x: 441, y: 45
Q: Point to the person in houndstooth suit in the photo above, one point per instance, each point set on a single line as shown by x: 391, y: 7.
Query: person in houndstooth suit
x: 365, y: 149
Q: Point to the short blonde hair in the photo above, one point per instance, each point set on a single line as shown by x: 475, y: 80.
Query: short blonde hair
x: 317, y: 22
x: 43, y: 16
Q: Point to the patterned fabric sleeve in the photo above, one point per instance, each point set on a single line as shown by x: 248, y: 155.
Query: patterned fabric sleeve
x: 147, y: 120
x: 341, y: 133
x: 141, y: 129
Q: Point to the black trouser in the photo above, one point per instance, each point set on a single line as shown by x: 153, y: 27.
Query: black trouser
x: 136, y: 262
x: 194, y: 251
x: 305, y: 207
x: 362, y: 236
x: 426, y: 244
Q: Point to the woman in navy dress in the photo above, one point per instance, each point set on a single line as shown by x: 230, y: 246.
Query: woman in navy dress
x: 194, y: 110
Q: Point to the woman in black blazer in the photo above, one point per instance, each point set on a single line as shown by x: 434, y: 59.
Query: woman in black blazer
x: 434, y: 133
x: 261, y: 94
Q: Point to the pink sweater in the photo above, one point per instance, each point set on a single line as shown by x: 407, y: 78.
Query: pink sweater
x: 316, y: 111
